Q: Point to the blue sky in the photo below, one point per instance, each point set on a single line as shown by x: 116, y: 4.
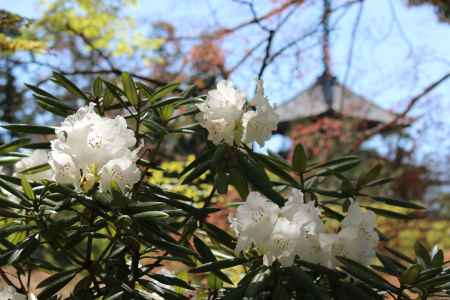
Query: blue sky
x: 395, y: 55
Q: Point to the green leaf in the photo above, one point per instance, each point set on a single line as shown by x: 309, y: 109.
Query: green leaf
x: 130, y: 89
x: 25, y: 250
x: 136, y: 207
x: 235, y: 294
x: 13, y: 146
x: 119, y: 199
x: 6, y: 213
x: 115, y: 296
x: 410, y: 275
x: 205, y: 253
x: 328, y: 193
x: 13, y: 228
x: 389, y: 265
x: 166, y: 112
x: 437, y: 258
x: 332, y: 213
x: 346, y: 186
x: 218, y: 265
x: 176, y: 250
x: 9, y: 160
x: 108, y: 98
x: 61, y: 80
x: 166, y: 102
x: 280, y: 293
x: 206, y: 155
x: 13, y: 191
x: 390, y: 214
x: 150, y: 215
x: 39, y: 92
x: 300, y: 160
x: 55, y: 283
x: 433, y: 282
x: 155, y: 126
x: 380, y: 181
x: 367, y: 275
x: 162, y: 92
x: 257, y: 176
x: 334, y: 162
x: 6, y: 202
x: 339, y: 168
x: 422, y: 254
x: 35, y: 169
x: 166, y: 294
x: 197, y: 172
x: 171, y: 280
x: 239, y: 182
x: 277, y: 170
x: 221, y: 182
x: 115, y: 92
x: 97, y: 87
x: 54, y: 105
x: 303, y: 282
x: 220, y: 235
x: 33, y: 129
x: 397, y: 202
x: 27, y: 188
x: 214, y: 282
x: 44, y: 145
x: 399, y: 255
x: 371, y: 175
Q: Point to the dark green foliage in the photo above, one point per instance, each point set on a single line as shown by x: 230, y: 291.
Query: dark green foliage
x: 102, y: 238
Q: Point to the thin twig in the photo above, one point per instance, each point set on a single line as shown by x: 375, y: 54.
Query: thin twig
x: 350, y: 51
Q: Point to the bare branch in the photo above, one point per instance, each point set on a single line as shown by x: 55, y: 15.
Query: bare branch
x: 246, y: 56
x: 350, y: 51
x: 382, y: 127
x: 267, y: 53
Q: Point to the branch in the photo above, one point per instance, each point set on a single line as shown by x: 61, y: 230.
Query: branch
x: 267, y: 55
x: 246, y: 56
x: 382, y: 127
x: 255, y: 20
x: 350, y: 52
x: 91, y: 45
x: 291, y: 44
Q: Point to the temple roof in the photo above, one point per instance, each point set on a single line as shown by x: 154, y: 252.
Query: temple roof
x: 335, y: 98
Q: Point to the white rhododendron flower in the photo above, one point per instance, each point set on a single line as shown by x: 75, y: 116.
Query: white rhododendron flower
x: 259, y: 124
x: 296, y: 230
x: 309, y: 248
x: 121, y: 170
x: 66, y: 172
x: 282, y: 243
x: 91, y: 139
x: 305, y: 215
x: 357, y: 239
x: 221, y: 113
x: 9, y: 293
x: 37, y: 157
x: 254, y: 221
x: 89, y: 146
x: 225, y: 117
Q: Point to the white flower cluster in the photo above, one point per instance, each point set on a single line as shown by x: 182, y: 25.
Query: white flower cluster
x: 296, y: 230
x: 90, y: 148
x: 226, y: 117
